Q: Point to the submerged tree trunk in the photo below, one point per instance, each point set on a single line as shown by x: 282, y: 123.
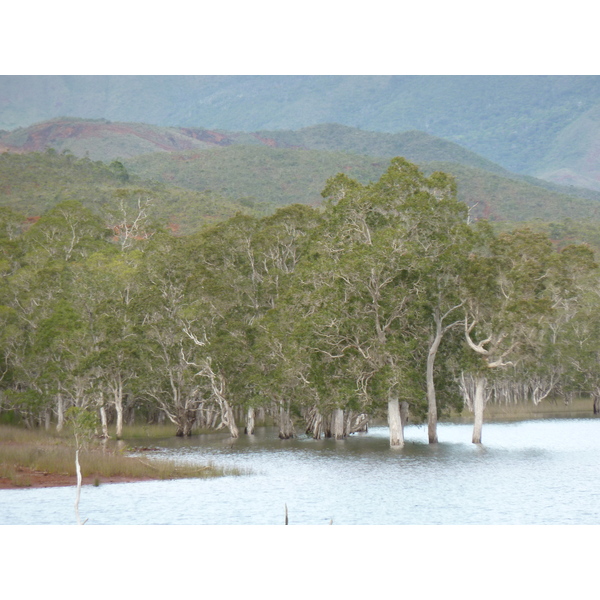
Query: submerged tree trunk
x: 314, y: 423
x: 358, y: 423
x: 395, y: 424
x: 186, y: 419
x: 337, y: 424
x: 219, y: 393
x: 286, y: 426
x: 403, y: 415
x: 478, y: 407
x: 432, y: 416
x: 249, y: 429
x: 228, y: 419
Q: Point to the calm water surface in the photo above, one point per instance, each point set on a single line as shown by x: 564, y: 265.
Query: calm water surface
x: 529, y: 472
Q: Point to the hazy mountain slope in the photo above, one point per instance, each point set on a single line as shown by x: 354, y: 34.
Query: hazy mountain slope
x: 416, y: 146
x: 101, y: 140
x: 282, y: 167
x: 511, y: 120
x: 31, y: 183
x: 104, y: 140
x: 573, y: 157
x: 282, y: 176
x: 500, y: 198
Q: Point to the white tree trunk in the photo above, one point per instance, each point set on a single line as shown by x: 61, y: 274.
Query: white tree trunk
x: 337, y: 424
x: 478, y: 406
x: 250, y: 421
x: 118, y: 396
x: 60, y: 412
x: 104, y: 422
x: 228, y: 419
x: 395, y: 424
x: 78, y: 494
x: 286, y: 425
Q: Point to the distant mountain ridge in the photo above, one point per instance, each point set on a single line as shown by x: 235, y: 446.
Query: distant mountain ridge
x: 272, y: 168
x: 542, y: 126
x: 105, y: 140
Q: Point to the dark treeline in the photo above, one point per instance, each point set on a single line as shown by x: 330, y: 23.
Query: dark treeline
x: 387, y: 303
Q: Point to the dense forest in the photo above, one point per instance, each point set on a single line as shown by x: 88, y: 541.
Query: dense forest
x: 389, y: 301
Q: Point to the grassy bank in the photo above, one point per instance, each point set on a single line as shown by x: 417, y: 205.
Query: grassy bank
x: 30, y: 456
x: 549, y: 408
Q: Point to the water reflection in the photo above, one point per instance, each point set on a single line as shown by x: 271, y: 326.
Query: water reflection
x: 534, y: 472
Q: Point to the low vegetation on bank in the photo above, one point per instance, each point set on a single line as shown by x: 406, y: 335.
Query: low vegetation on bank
x: 37, y: 457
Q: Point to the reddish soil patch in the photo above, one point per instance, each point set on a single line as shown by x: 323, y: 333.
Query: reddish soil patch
x: 28, y: 478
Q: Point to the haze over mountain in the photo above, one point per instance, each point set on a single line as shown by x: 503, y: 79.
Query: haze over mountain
x: 543, y: 126
x: 256, y: 171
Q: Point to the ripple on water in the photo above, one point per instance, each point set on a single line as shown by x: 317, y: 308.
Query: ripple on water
x: 531, y: 472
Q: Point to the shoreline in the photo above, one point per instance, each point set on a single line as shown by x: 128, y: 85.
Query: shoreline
x: 28, y: 478
x: 31, y: 479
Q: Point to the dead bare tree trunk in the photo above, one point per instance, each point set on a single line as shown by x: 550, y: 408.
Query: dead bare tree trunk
x: 78, y: 493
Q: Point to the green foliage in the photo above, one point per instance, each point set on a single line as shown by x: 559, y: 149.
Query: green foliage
x: 33, y: 183
x: 301, y: 309
x: 83, y: 422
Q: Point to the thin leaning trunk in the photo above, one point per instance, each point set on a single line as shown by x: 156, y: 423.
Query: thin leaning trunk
x: 78, y: 494
x: 395, y: 424
x: 440, y: 330
x: 218, y: 385
x: 432, y: 416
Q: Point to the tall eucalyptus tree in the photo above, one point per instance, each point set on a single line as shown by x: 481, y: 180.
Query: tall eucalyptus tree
x: 514, y: 291
x: 373, y: 260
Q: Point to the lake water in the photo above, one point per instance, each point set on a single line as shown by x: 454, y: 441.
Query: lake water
x: 544, y: 472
